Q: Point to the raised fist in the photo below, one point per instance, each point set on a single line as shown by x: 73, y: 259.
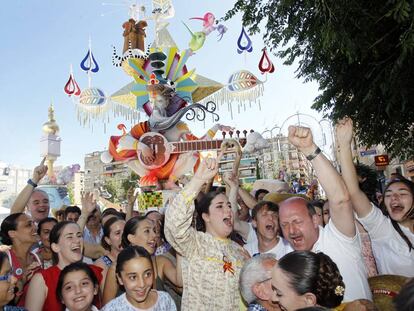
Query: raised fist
x: 301, y: 138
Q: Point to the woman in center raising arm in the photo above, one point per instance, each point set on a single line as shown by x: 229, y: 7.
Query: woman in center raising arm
x: 212, y: 262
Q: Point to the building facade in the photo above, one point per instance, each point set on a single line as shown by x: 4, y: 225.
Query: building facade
x: 281, y: 160
x: 12, y: 180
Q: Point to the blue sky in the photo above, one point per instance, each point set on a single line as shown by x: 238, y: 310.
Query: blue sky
x: 40, y: 39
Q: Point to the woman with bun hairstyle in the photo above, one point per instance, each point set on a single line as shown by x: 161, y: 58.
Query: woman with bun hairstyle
x: 303, y: 279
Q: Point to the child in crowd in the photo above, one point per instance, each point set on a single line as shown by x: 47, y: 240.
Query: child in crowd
x: 66, y: 242
x: 140, y: 231
x: 43, y: 230
x: 77, y: 286
x: 135, y: 273
x: 111, y: 241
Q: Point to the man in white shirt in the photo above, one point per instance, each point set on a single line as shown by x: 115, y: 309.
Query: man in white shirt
x: 339, y: 239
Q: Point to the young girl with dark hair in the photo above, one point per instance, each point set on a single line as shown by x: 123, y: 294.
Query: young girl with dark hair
x: 392, y: 234
x: 140, y: 231
x: 77, y: 286
x: 66, y: 242
x: 303, y: 279
x: 135, y: 273
x: 212, y: 264
x: 112, y: 243
x: 19, y: 231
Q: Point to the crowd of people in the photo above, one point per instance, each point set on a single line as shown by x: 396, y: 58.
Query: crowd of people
x: 222, y: 249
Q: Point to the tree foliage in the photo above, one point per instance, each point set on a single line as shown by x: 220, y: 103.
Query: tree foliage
x: 360, y: 53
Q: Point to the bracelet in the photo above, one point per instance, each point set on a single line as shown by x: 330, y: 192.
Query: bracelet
x: 31, y: 183
x: 313, y: 154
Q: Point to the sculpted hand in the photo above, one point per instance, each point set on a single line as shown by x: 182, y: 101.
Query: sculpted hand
x: 146, y: 153
x: 301, y: 138
x: 344, y: 129
x: 39, y: 171
x: 225, y: 128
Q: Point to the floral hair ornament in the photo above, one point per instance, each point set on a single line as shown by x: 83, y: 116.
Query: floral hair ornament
x: 339, y: 290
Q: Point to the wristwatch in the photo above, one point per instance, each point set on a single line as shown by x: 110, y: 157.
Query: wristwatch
x: 313, y: 154
x: 32, y: 183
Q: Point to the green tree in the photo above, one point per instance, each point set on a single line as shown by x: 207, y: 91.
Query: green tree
x: 132, y: 181
x: 360, y: 53
x: 113, y: 187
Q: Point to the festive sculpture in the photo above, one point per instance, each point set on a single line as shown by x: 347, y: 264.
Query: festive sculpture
x: 134, y: 35
x: 158, y: 149
x: 155, y: 149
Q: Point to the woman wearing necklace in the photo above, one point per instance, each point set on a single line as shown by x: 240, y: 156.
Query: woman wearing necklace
x: 212, y: 262
x: 19, y: 231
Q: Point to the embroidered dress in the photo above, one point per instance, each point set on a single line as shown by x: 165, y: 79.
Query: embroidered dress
x: 211, y: 266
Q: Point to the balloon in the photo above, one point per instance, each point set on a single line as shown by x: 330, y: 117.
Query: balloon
x: 106, y: 157
x: 244, y: 43
x: 265, y: 64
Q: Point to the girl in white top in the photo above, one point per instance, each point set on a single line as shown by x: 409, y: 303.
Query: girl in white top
x: 135, y: 273
x: 392, y: 235
x: 77, y: 286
